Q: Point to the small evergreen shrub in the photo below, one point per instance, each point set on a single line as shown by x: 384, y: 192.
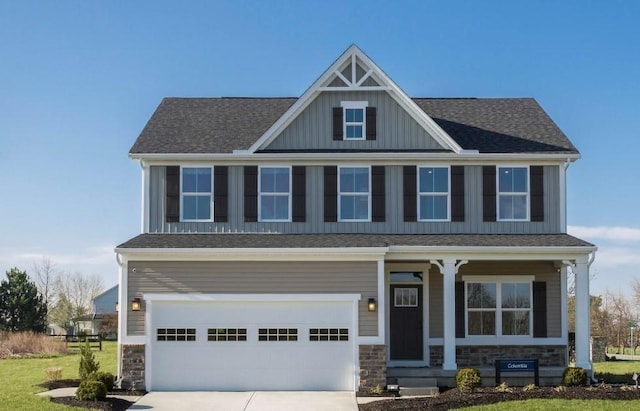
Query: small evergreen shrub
x: 53, y: 373
x: 104, y: 377
x: 88, y: 363
x: 91, y: 391
x: 574, y: 377
x: 467, y: 379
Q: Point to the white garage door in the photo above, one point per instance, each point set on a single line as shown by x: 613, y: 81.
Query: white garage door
x: 252, y: 345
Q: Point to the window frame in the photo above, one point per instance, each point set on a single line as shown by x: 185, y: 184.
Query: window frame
x: 498, y: 310
x: 368, y: 194
x: 196, y: 194
x: 289, y: 194
x: 420, y: 194
x: 359, y: 105
x: 527, y: 194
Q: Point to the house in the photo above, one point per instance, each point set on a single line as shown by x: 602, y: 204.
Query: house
x: 103, y: 317
x: 333, y: 240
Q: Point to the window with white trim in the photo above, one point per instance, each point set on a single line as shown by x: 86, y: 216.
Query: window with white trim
x: 275, y: 194
x: 433, y: 193
x: 513, y: 193
x: 499, y: 308
x: 354, y: 193
x: 196, y: 188
x: 354, y: 120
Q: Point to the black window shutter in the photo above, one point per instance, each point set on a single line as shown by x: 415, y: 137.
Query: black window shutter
x: 371, y: 123
x: 172, y: 194
x: 539, y: 309
x: 220, y: 194
x: 251, y: 193
x: 457, y: 193
x: 299, y: 192
x: 377, y: 194
x: 330, y: 194
x: 489, y: 193
x: 337, y: 123
x: 536, y: 181
x: 460, y: 314
x: 409, y: 196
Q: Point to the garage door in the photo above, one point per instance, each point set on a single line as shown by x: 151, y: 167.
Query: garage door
x: 252, y: 345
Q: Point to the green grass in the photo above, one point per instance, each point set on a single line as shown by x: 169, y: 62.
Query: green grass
x: 570, y: 405
x: 616, y: 372
x: 20, y: 376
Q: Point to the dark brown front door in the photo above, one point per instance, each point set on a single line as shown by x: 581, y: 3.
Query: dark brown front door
x: 406, y: 322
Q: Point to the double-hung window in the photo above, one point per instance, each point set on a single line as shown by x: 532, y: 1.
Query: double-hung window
x: 433, y: 193
x: 275, y: 194
x: 354, y: 193
x: 354, y: 120
x: 499, y: 308
x: 513, y: 193
x: 196, y: 193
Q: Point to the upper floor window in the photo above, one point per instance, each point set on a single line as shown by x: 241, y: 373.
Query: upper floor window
x: 354, y: 120
x: 195, y: 194
x: 354, y: 193
x: 513, y: 193
x: 275, y: 194
x: 499, y: 308
x: 433, y: 193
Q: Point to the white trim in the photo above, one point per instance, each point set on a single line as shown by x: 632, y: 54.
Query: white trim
x: 196, y: 194
x: 501, y: 278
x: 526, y: 195
x: 419, y: 194
x: 146, y: 196
x: 472, y: 341
x: 123, y: 308
x: 562, y: 207
x: 357, y: 105
x: 289, y: 194
x: 354, y: 194
x: 251, y: 297
x: 564, y: 303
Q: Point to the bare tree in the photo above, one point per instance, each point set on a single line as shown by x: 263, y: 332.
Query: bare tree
x: 74, y: 293
x: 44, y: 275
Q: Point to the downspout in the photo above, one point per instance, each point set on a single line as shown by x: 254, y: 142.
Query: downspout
x: 122, y: 307
x: 592, y: 258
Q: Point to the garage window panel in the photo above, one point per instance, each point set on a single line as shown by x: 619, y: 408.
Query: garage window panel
x: 277, y: 334
x: 227, y: 334
x: 328, y: 334
x: 176, y: 334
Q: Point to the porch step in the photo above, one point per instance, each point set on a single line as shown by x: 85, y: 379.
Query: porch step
x: 411, y: 386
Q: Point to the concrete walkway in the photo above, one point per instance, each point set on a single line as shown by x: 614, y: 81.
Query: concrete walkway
x: 249, y: 401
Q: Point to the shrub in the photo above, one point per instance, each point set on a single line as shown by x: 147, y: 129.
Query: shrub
x: 574, y: 376
x: 504, y: 387
x: 104, y: 377
x: 91, y: 390
x: 88, y: 363
x: 53, y: 373
x: 467, y: 379
x: 28, y: 344
x: 529, y: 387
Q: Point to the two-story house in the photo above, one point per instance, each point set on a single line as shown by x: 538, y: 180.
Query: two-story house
x: 324, y: 241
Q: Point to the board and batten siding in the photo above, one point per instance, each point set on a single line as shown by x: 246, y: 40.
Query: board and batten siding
x: 394, y: 221
x: 313, y: 128
x: 543, y: 271
x: 231, y: 277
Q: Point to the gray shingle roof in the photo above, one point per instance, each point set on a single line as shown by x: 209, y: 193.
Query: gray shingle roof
x: 263, y: 240
x: 221, y: 125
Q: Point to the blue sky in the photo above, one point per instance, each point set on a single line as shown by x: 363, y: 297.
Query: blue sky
x: 79, y: 80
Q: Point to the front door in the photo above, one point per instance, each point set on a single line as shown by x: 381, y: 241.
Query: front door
x: 406, y: 331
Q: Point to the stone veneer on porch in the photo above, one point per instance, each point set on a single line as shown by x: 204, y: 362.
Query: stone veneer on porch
x: 132, y: 373
x: 373, y: 367
x: 485, y: 355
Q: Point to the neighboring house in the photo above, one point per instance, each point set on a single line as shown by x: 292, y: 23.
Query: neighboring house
x: 103, y: 318
x: 325, y: 242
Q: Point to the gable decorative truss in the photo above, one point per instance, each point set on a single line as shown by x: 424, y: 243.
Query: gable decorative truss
x: 355, y: 71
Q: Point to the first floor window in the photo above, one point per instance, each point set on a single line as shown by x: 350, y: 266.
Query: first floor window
x: 196, y: 189
x: 499, y: 308
x: 513, y: 193
x: 275, y: 193
x: 354, y: 193
x: 433, y: 193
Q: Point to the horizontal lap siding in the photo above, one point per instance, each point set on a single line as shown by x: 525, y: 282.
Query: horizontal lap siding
x: 252, y: 278
x: 394, y: 222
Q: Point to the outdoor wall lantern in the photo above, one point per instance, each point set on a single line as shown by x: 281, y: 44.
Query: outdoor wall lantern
x: 135, y: 304
x: 372, y: 305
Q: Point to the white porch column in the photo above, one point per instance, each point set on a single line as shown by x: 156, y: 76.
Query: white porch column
x: 583, y: 314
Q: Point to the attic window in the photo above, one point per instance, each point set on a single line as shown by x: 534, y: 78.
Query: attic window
x: 354, y: 120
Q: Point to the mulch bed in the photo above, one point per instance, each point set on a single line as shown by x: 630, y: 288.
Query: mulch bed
x: 109, y: 404
x: 452, y: 399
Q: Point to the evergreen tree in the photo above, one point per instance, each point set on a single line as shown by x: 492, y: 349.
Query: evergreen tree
x: 22, y: 308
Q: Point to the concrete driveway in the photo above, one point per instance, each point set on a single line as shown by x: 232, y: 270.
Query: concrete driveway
x: 249, y: 401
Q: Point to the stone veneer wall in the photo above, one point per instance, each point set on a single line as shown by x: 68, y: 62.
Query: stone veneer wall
x: 132, y: 367
x: 485, y: 355
x: 373, y: 367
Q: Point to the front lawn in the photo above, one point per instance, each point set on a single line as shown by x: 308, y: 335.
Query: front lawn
x: 568, y: 405
x: 616, y: 372
x: 20, y: 377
